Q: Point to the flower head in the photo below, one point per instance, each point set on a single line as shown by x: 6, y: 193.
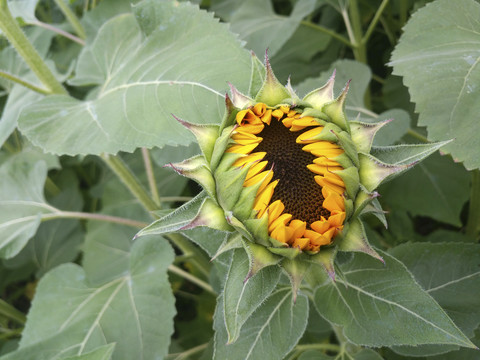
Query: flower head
x: 292, y: 176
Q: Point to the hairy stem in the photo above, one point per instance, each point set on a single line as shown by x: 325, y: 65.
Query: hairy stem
x: 16, y: 79
x: 118, y: 166
x: 150, y: 176
x: 193, y: 279
x: 187, y: 353
x: 22, y: 45
x: 90, y: 216
x: 327, y: 31
x: 59, y: 32
x: 473, y: 221
x: 72, y: 19
x: 374, y: 21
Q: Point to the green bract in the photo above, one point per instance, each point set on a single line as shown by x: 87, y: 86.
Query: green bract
x: 288, y: 179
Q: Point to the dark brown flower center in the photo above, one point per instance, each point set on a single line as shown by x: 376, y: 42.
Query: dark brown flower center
x: 296, y: 188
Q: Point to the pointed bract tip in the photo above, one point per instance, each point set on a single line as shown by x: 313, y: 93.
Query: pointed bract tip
x: 332, y: 77
x: 331, y: 274
x: 174, y: 168
x: 183, y: 122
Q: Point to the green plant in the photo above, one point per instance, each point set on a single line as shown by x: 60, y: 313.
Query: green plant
x: 102, y: 253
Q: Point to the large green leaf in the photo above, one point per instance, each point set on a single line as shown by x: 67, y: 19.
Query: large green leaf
x: 449, y: 272
x: 242, y: 297
x: 100, y: 353
x: 382, y: 305
x: 256, y: 23
x: 134, y: 310
x: 170, y: 58
x: 437, y: 187
x: 269, y: 334
x: 438, y: 56
x: 360, y: 76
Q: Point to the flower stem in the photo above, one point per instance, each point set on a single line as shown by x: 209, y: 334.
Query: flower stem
x: 327, y: 347
x: 12, y: 313
x: 473, y: 221
x: 150, y: 176
x: 72, y: 19
x: 327, y: 31
x: 11, y: 77
x: 187, y: 353
x: 19, y: 41
x: 197, y: 258
x: 374, y: 21
x: 187, y: 276
x: 118, y: 166
x: 89, y: 216
x: 59, y: 32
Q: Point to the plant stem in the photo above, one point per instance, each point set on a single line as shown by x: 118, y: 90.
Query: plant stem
x: 150, y: 176
x: 187, y: 353
x: 374, y: 21
x: 473, y: 222
x: 327, y: 347
x: 417, y: 135
x: 59, y: 31
x: 72, y: 19
x: 118, y: 166
x: 187, y: 276
x: 12, y: 313
x: 196, y: 258
x: 19, y: 41
x: 89, y: 216
x: 27, y: 84
x: 327, y: 31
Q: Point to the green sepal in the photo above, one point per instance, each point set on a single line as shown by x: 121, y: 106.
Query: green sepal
x: 259, y: 229
x: 232, y: 241
x: 285, y: 251
x: 229, y: 180
x: 259, y: 258
x: 257, y: 76
x: 240, y: 100
x: 206, y: 136
x: 238, y: 226
x: 272, y: 91
x: 326, y: 258
x: 197, y: 169
x: 347, y: 144
x: 317, y: 114
x: 364, y: 133
x: 210, y: 215
x: 363, y: 198
x: 354, y: 238
x: 277, y: 244
x: 327, y: 133
x: 350, y: 179
x: 230, y: 113
x: 293, y: 99
x: 243, y: 209
x: 343, y: 160
x: 335, y: 110
x: 375, y: 208
x: 349, y: 208
x: 296, y: 271
x: 321, y: 96
x: 373, y: 172
x: 220, y: 146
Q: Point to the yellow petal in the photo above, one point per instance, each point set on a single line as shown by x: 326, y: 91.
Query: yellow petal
x: 256, y: 156
x: 285, y: 109
x: 300, y: 243
x: 282, y: 220
x: 274, y: 210
x: 241, y: 149
x: 336, y: 219
x: 320, y: 226
x: 299, y: 124
x: 277, y: 113
x: 323, y: 148
x: 307, y: 135
x: 282, y: 233
x: 325, y: 161
x: 266, y: 180
x: 263, y: 199
x: 320, y: 240
x: 333, y: 201
x: 287, y: 122
x: 298, y: 227
x: 255, y: 128
x: 257, y: 178
x: 321, y: 169
x: 267, y: 117
x: 256, y: 169
x: 324, y: 183
x: 259, y: 109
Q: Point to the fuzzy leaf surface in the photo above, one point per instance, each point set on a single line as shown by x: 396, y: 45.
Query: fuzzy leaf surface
x: 125, y: 310
x: 439, y: 58
x: 270, y: 333
x: 449, y: 272
x: 437, y: 187
x: 382, y: 305
x: 256, y: 23
x: 140, y: 77
x: 242, y: 298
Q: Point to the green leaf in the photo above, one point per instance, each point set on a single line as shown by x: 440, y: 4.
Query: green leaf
x: 23, y: 9
x: 437, y: 188
x: 141, y: 78
x: 269, y: 334
x: 438, y: 57
x: 382, y: 305
x: 315, y: 355
x: 135, y: 310
x: 241, y: 296
x: 355, y: 109
x: 453, y: 285
x: 101, y: 353
x: 406, y: 154
x: 262, y: 29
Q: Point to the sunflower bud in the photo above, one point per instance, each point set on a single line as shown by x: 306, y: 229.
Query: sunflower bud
x: 292, y: 176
